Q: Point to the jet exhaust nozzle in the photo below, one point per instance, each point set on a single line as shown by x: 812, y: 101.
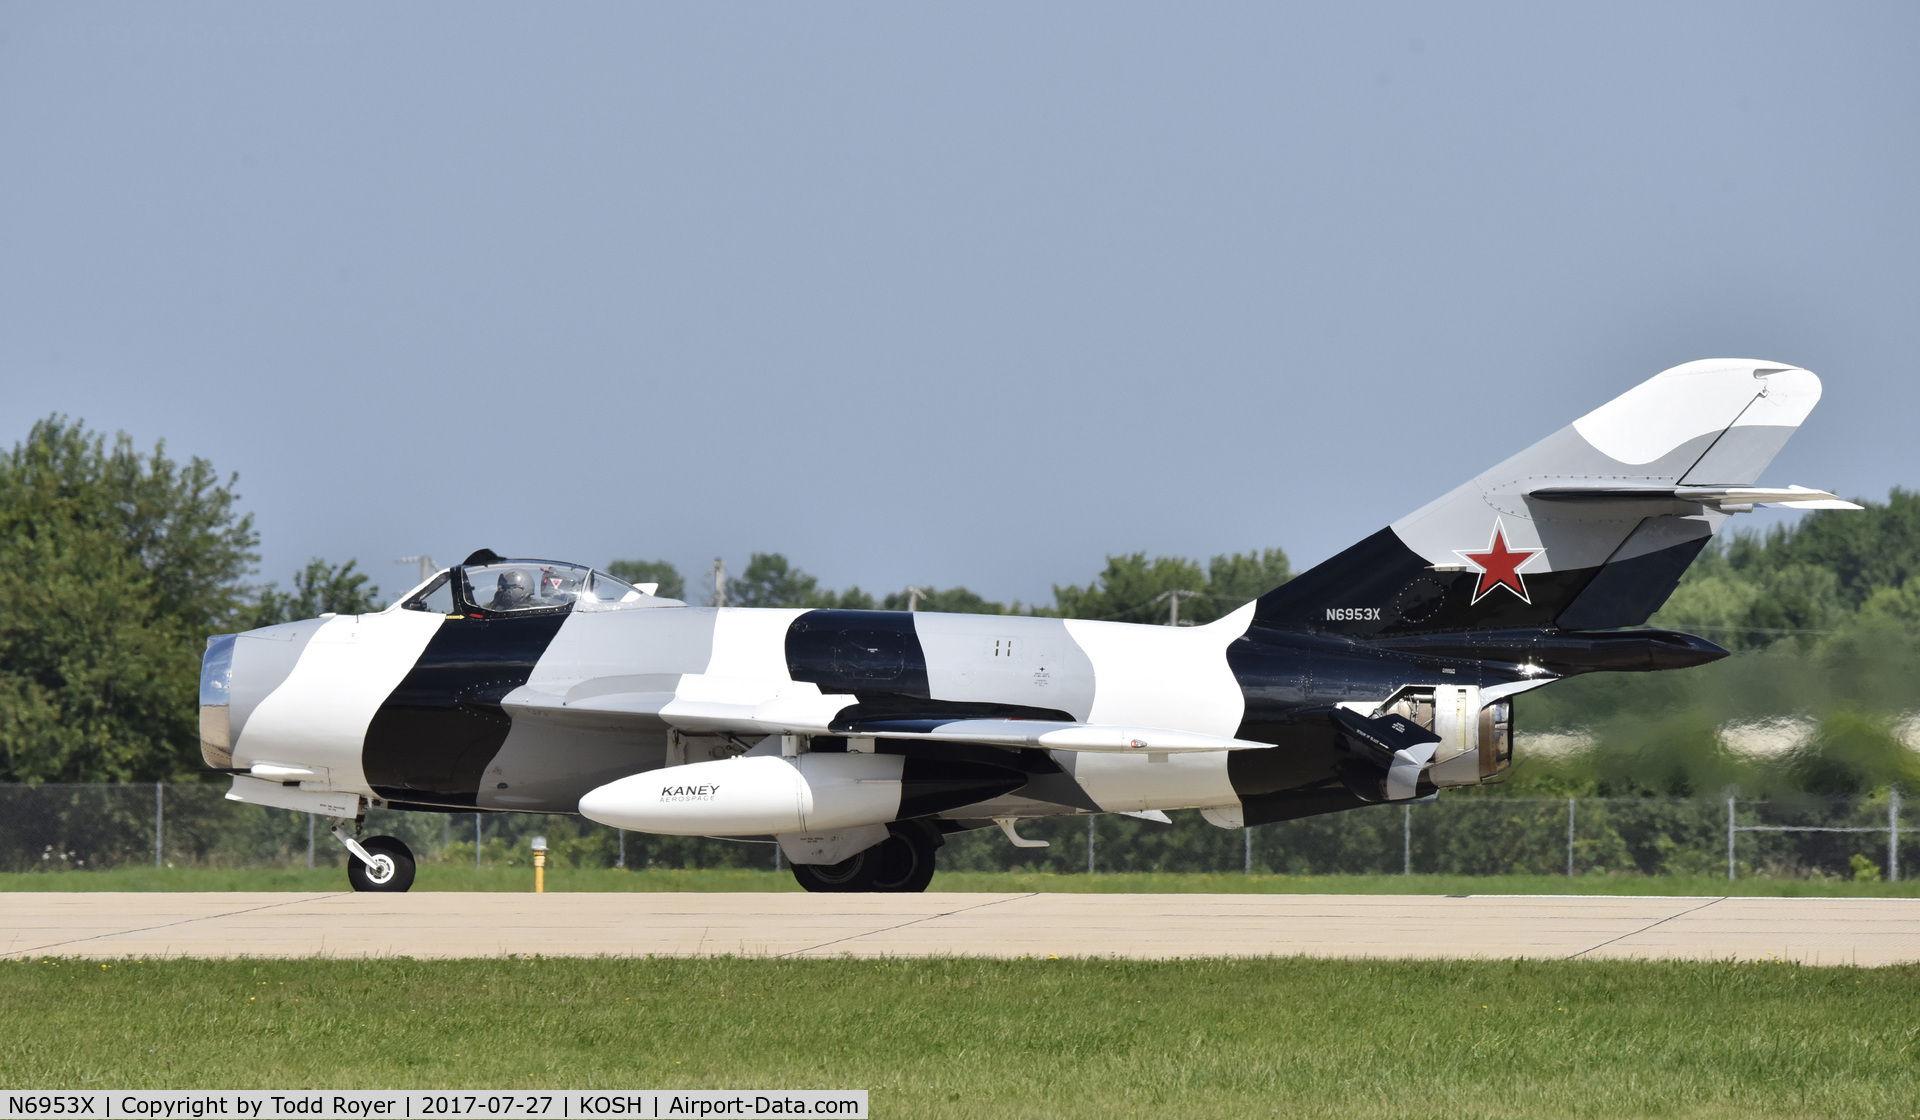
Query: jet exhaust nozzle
x: 764, y: 795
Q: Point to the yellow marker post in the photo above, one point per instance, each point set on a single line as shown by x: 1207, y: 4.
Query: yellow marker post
x: 539, y: 865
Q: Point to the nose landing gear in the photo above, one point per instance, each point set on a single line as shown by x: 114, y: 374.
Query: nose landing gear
x: 379, y: 863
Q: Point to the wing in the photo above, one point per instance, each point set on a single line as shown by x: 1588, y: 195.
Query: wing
x: 690, y: 701
x: 750, y: 706
x: 1052, y: 735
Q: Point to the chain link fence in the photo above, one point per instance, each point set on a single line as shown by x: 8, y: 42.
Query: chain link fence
x: 76, y: 827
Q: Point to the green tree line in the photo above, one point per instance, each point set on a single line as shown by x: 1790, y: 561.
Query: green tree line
x: 1821, y: 696
x: 1130, y: 588
x: 115, y: 565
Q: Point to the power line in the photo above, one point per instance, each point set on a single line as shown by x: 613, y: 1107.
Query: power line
x: 1755, y: 629
x: 1173, y: 597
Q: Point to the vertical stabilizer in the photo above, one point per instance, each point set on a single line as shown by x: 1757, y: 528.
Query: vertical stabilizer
x: 1588, y: 529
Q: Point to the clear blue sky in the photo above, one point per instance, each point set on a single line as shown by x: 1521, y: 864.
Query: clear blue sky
x: 934, y: 293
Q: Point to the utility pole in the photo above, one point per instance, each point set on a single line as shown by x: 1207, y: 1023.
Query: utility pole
x: 1893, y: 834
x: 913, y: 598
x: 1173, y: 604
x: 427, y: 566
x: 719, y: 581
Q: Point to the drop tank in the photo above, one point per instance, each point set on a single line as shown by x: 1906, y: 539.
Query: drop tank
x: 765, y: 795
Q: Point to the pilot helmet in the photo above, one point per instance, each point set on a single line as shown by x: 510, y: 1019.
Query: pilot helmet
x: 516, y: 586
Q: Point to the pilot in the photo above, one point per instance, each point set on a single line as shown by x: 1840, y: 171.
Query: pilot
x: 514, y: 591
x: 559, y: 589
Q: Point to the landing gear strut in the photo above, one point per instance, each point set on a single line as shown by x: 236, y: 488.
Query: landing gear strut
x: 379, y: 863
x: 900, y: 864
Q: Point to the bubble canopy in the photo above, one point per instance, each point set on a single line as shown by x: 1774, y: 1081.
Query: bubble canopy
x: 494, y: 585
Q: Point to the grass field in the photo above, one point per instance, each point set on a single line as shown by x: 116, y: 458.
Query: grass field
x: 966, y: 1038
x: 445, y: 878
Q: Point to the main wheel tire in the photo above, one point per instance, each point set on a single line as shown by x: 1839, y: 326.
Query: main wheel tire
x: 393, y: 865
x: 851, y: 875
x: 900, y: 864
x: 905, y: 858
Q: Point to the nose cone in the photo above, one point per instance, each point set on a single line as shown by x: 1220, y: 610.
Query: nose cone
x: 239, y: 671
x: 216, y: 701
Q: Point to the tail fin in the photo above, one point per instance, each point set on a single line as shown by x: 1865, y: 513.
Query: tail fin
x: 1588, y: 529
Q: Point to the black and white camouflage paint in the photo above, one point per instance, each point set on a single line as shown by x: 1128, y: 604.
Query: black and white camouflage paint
x: 1385, y: 672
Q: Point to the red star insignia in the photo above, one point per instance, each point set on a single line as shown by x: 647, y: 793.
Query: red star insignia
x: 1500, y: 566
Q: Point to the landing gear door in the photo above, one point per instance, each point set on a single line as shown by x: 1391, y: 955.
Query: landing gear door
x: 1456, y: 719
x: 1476, y: 741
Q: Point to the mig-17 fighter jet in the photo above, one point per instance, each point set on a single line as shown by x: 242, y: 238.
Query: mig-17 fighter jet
x: 859, y: 740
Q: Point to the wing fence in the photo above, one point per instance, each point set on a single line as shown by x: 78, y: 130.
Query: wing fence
x: 49, y: 828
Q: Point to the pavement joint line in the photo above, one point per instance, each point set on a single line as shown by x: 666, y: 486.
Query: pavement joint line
x: 1650, y: 925
x: 162, y: 925
x: 914, y: 922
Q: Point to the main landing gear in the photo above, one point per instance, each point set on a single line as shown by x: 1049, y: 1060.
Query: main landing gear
x: 902, y: 863
x: 379, y: 863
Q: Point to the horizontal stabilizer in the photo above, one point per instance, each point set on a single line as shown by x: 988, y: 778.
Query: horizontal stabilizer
x: 1725, y: 499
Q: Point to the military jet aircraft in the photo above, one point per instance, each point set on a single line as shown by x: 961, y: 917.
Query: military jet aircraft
x: 859, y: 740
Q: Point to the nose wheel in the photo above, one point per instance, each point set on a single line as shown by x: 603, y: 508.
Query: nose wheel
x: 379, y: 863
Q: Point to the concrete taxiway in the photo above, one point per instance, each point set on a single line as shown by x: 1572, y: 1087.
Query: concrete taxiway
x: 1862, y: 931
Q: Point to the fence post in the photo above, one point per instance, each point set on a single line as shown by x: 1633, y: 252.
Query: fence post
x: 1247, y: 867
x: 1090, y: 820
x: 309, y: 841
x: 622, y: 864
x: 1569, y: 837
x: 1729, y: 839
x: 476, y: 841
x: 1893, y: 834
x: 159, y: 817
x: 1406, y: 840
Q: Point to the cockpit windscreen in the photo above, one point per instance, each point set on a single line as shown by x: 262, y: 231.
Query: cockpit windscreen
x: 523, y: 585
x: 509, y: 586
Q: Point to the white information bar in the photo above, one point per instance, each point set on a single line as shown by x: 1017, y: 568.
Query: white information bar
x: 427, y: 1104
